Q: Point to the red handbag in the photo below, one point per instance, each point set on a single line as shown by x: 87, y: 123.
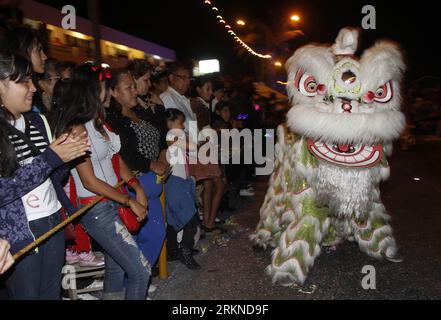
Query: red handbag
x: 129, y: 219
x: 127, y: 216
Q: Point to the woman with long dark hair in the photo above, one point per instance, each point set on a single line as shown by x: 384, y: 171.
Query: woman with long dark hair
x: 150, y: 107
x: 82, y: 109
x: 31, y: 195
x: 28, y: 43
x: 47, y: 83
x: 140, y: 148
x: 79, y: 250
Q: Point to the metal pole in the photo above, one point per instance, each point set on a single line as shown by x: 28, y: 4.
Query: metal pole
x: 93, y: 10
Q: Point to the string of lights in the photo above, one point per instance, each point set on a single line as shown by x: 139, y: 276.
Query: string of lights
x: 231, y: 32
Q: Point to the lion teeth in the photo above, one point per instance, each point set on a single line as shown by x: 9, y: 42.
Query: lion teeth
x: 365, y: 153
x: 323, y: 150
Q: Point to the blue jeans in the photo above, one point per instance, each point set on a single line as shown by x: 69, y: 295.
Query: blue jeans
x: 122, y: 255
x: 38, y: 275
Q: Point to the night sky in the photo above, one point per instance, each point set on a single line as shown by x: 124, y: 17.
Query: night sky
x: 191, y: 29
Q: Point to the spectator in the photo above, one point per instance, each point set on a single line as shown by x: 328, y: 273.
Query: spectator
x: 180, y: 193
x: 148, y: 108
x: 64, y: 69
x: 31, y: 195
x: 209, y: 174
x: 94, y: 176
x: 174, y: 96
x: 159, y: 81
x: 222, y: 117
x: 140, y: 149
x: 219, y: 94
x: 47, y: 82
x: 28, y: 43
x: 235, y: 173
x: 80, y: 251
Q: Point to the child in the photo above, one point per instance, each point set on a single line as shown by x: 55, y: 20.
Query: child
x: 180, y: 193
x: 222, y: 117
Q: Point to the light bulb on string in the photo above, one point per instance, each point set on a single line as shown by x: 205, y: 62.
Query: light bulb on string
x: 233, y: 34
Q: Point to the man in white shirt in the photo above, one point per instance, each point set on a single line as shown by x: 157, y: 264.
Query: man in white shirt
x: 173, y: 97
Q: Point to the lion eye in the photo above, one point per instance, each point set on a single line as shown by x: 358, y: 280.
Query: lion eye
x: 306, y: 84
x: 380, y: 92
x: 311, y: 86
x: 384, y: 93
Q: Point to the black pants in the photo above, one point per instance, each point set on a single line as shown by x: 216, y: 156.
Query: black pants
x: 190, y: 230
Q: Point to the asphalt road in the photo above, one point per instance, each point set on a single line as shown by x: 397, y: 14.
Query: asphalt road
x: 232, y: 270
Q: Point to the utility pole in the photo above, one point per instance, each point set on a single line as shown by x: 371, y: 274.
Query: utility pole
x: 93, y: 10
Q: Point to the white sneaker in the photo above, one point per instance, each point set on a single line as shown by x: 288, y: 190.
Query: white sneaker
x: 89, y: 259
x: 152, y: 288
x: 86, y: 296
x: 95, y: 284
x: 246, y: 193
x: 72, y: 257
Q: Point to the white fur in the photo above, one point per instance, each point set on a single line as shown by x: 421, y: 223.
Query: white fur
x: 381, y: 63
x: 351, y: 194
x: 346, y: 42
x: 346, y: 128
x: 368, y: 123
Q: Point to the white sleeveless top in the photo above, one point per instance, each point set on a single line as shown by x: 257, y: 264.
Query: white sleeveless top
x: 101, y: 153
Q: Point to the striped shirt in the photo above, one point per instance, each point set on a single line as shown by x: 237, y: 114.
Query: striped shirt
x: 22, y: 149
x: 42, y: 201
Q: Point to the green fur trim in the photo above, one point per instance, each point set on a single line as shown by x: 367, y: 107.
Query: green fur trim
x: 300, y: 185
x: 306, y: 157
x: 290, y: 137
x: 378, y: 222
x: 384, y: 162
x: 307, y: 233
x: 309, y: 207
x: 331, y: 237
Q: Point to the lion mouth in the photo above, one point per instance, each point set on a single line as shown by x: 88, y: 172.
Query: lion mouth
x: 355, y: 156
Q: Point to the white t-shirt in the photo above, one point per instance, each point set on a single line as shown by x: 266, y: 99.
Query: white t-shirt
x: 102, y: 151
x: 42, y: 201
x: 177, y: 155
x: 173, y: 99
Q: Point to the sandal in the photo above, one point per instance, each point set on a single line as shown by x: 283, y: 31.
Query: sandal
x: 213, y: 230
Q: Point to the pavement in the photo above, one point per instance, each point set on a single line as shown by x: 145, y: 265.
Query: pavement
x: 232, y: 270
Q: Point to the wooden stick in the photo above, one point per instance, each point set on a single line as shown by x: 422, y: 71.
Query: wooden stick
x: 163, y: 274
x: 60, y: 226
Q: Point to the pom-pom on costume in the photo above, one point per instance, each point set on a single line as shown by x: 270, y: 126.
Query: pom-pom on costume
x: 331, y: 156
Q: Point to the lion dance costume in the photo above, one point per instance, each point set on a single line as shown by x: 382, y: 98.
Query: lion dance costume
x: 331, y: 156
